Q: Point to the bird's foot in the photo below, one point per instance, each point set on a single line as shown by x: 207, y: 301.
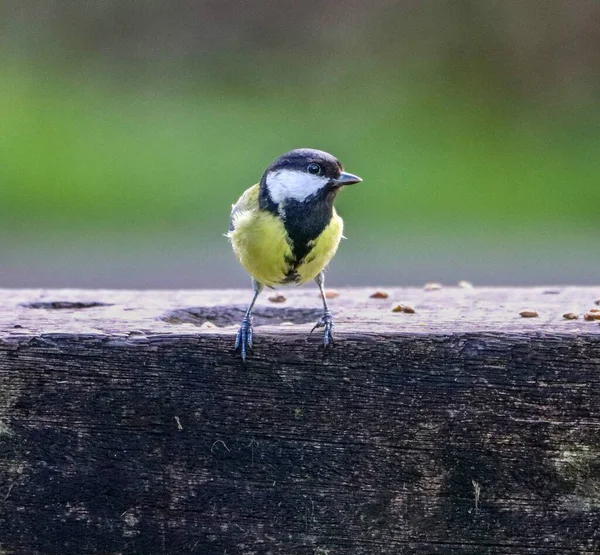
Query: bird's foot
x: 326, y: 322
x: 243, y: 340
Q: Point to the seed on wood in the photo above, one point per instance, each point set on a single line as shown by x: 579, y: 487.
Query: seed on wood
x: 277, y: 299
x: 529, y: 314
x: 403, y: 308
x: 570, y: 316
x: 207, y: 326
x: 432, y: 286
x: 331, y: 294
x: 591, y: 316
x: 594, y: 310
x: 465, y: 284
x: 379, y: 295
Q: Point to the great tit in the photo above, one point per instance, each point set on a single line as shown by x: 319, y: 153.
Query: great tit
x: 285, y: 230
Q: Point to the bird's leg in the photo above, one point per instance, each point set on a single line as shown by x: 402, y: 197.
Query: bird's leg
x: 243, y: 341
x: 326, y: 320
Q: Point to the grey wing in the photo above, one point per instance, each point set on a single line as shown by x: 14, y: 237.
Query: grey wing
x: 234, y: 211
x: 248, y: 201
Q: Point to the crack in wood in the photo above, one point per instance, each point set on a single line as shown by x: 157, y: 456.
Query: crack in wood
x: 64, y: 305
x: 232, y: 315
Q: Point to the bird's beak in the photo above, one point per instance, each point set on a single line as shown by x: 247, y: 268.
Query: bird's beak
x: 347, y: 179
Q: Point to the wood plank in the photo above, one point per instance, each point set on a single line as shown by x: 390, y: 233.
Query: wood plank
x: 463, y: 428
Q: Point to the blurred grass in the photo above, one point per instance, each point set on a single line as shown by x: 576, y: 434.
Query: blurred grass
x: 90, y: 155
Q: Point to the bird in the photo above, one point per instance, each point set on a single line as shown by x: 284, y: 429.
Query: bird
x: 284, y: 230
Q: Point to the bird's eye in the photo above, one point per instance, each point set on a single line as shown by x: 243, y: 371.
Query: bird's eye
x: 313, y: 169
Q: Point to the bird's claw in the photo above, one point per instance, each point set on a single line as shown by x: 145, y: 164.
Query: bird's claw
x: 243, y: 340
x: 326, y: 322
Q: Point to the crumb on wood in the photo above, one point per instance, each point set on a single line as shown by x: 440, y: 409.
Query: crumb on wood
x: 570, y: 316
x: 279, y: 298
x: 591, y: 316
x: 529, y: 314
x: 597, y: 301
x: 464, y: 284
x: 379, y: 295
x: 208, y: 326
x: 594, y: 310
x: 403, y: 308
x: 432, y: 286
x: 331, y: 294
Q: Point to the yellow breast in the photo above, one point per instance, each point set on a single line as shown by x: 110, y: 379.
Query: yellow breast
x: 322, y: 249
x: 260, y: 242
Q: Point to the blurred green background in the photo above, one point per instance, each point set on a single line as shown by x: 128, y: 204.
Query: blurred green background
x: 129, y: 128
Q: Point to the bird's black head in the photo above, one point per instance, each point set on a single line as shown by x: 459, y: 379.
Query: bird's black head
x: 300, y: 187
x: 303, y: 175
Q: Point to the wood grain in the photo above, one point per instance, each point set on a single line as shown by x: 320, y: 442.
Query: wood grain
x: 128, y: 427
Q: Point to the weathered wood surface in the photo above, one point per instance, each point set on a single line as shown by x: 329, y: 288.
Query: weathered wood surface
x: 460, y: 429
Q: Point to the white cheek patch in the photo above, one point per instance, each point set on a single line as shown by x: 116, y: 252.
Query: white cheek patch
x: 295, y: 185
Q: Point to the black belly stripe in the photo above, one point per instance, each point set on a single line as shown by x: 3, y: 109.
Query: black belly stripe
x: 304, y: 222
x: 291, y: 272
